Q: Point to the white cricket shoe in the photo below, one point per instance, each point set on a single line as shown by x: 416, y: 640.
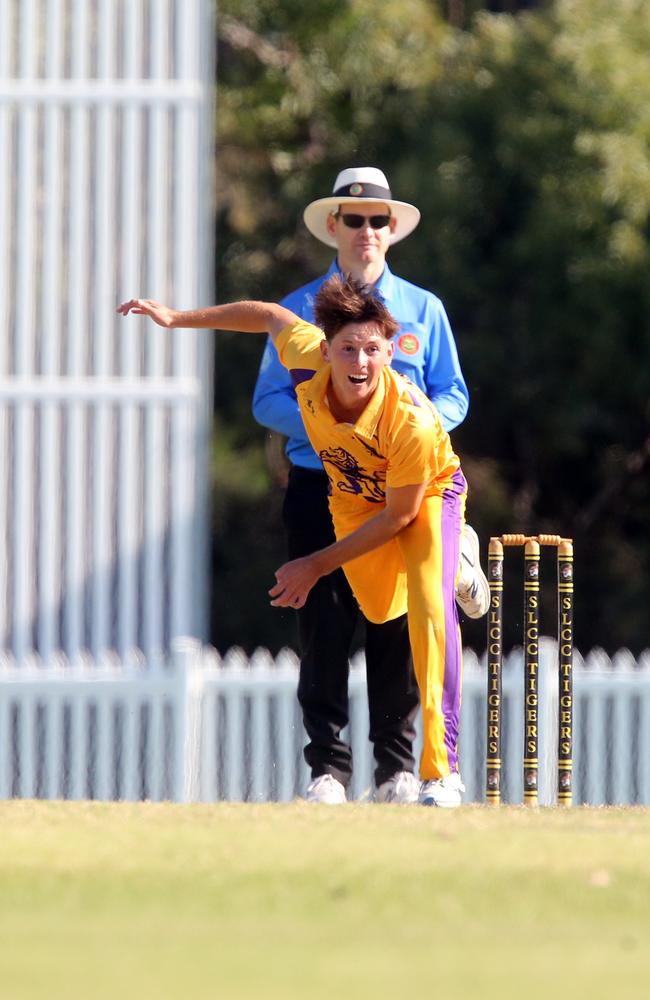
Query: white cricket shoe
x: 326, y: 789
x: 402, y: 789
x: 445, y: 792
x: 472, y: 588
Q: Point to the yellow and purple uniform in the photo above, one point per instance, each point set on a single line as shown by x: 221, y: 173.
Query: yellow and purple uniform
x: 397, y: 441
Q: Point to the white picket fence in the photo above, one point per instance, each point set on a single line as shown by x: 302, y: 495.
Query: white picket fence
x: 202, y: 728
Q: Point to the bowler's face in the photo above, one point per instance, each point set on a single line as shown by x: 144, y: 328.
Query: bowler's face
x: 356, y: 354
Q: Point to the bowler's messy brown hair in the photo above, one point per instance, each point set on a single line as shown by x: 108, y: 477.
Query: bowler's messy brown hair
x: 340, y: 301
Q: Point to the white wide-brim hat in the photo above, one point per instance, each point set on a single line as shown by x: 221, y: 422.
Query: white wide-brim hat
x: 362, y: 184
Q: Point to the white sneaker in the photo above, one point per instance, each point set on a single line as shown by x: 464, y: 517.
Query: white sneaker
x: 445, y: 792
x: 402, y: 789
x: 326, y: 789
x: 472, y: 588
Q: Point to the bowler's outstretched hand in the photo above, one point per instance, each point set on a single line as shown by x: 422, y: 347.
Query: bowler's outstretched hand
x: 294, y: 581
x: 160, y: 314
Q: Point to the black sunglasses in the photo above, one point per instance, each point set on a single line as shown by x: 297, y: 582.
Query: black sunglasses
x: 353, y: 221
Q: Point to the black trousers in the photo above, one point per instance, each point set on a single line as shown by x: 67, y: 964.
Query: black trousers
x: 326, y: 627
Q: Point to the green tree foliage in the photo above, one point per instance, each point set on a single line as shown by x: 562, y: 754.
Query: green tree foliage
x: 524, y: 140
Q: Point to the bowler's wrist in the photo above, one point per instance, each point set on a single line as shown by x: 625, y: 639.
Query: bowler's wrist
x: 322, y: 562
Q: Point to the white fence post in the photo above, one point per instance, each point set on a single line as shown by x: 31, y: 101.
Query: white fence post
x: 187, y: 667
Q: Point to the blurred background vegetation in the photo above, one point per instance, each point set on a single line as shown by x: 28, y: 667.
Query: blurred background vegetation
x: 522, y: 132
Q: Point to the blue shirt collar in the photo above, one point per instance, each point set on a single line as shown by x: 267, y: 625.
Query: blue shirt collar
x: 384, y: 285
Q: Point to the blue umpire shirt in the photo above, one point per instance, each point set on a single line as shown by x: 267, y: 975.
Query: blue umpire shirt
x: 424, y: 350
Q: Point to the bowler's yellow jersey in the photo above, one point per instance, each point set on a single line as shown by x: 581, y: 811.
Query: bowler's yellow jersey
x: 398, y: 440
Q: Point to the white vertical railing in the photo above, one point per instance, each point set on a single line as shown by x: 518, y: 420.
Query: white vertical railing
x: 5, y: 282
x: 187, y: 34
x: 130, y: 276
x: 77, y: 324
x: 155, y: 282
x: 49, y: 495
x: 103, y: 123
x: 23, y: 527
x: 103, y: 298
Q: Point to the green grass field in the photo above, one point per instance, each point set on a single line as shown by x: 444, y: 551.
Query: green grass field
x: 286, y: 901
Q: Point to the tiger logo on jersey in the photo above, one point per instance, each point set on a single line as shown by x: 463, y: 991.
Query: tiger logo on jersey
x: 355, y: 479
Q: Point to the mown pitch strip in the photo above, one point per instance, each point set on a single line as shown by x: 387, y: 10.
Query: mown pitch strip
x: 291, y: 901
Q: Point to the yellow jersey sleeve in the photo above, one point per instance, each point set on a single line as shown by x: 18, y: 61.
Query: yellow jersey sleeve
x: 298, y: 347
x: 412, y: 458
